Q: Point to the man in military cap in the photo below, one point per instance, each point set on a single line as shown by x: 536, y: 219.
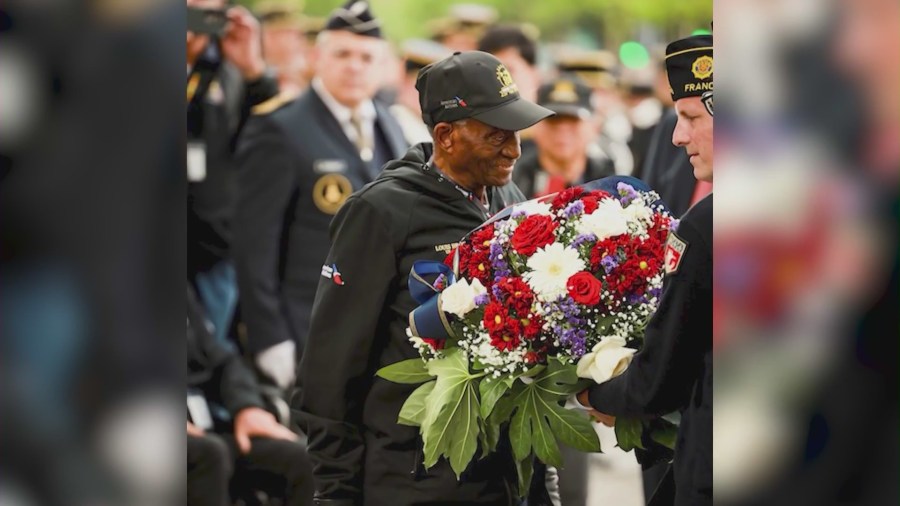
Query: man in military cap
x: 284, y: 43
x: 299, y: 163
x: 674, y: 368
x: 418, y: 209
x: 562, y: 158
x: 599, y: 69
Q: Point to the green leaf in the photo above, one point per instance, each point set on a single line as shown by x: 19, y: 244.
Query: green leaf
x: 545, y: 445
x: 559, y: 381
x: 525, y: 469
x: 520, y: 432
x: 413, y: 410
x: 491, y: 438
x: 452, y: 422
x: 465, y: 430
x: 665, y: 436
x: 628, y: 433
x: 573, y: 428
x: 408, y: 372
x: 492, y: 389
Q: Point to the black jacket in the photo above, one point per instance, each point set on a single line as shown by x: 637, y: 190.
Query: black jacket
x: 528, y: 171
x: 674, y: 368
x: 216, y: 111
x: 360, y: 453
x: 297, y: 167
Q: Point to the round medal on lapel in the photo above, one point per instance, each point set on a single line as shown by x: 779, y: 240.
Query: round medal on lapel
x: 330, y: 192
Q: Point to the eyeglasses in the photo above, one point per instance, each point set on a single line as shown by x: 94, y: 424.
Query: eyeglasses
x: 707, y: 99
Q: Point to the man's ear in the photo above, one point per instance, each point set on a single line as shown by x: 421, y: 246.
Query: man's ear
x: 443, y: 136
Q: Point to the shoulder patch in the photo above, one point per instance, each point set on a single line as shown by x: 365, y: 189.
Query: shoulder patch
x: 675, y: 248
x: 273, y: 104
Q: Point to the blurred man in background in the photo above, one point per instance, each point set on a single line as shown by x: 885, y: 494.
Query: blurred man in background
x: 300, y: 161
x: 226, y: 78
x: 284, y: 43
x: 562, y: 158
x: 600, y: 70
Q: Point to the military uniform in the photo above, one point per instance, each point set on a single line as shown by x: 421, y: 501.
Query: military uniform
x: 673, y: 370
x: 298, y: 166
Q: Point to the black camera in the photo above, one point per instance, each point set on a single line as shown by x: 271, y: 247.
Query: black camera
x: 206, y: 21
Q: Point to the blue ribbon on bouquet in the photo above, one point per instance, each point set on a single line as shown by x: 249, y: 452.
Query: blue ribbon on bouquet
x: 429, y: 320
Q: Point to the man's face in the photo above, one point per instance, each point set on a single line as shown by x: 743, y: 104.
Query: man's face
x: 563, y: 138
x: 348, y: 65
x: 694, y: 132
x: 486, y: 153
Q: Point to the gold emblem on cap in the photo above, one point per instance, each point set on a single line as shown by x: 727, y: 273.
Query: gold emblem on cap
x: 506, y: 81
x: 702, y: 67
x: 564, y: 91
x: 330, y: 192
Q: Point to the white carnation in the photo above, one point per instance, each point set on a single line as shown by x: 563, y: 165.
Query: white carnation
x: 533, y: 207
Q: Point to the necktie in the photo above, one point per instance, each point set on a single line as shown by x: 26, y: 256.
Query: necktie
x: 363, y: 140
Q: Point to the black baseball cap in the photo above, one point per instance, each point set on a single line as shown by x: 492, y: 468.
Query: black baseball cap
x: 474, y: 84
x: 689, y: 63
x: 567, y: 95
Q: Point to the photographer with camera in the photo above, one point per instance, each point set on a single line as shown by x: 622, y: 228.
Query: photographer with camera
x: 226, y: 78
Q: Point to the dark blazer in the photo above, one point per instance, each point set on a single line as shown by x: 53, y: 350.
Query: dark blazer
x: 296, y: 169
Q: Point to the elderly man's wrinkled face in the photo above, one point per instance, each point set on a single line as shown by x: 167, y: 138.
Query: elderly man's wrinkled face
x: 694, y: 132
x: 348, y: 65
x: 486, y: 154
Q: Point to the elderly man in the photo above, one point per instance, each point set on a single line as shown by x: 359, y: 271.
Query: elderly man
x: 299, y: 162
x: 674, y: 369
x: 417, y: 209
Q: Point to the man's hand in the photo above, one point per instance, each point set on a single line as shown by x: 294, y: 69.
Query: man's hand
x: 194, y: 431
x: 279, y: 363
x: 241, y: 43
x: 256, y: 422
x: 584, y: 400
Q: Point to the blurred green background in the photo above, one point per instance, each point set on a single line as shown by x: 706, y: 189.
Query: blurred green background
x: 589, y: 23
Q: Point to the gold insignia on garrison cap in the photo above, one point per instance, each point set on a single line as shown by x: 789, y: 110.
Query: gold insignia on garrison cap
x: 702, y: 67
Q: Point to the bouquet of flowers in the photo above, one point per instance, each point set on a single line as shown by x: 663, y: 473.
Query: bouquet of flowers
x: 531, y: 307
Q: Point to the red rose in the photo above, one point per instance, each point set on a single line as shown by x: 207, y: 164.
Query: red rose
x: 584, y: 288
x: 563, y: 198
x: 536, y: 231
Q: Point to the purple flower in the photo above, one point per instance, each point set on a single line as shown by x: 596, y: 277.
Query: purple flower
x: 627, y: 193
x: 518, y: 213
x: 673, y: 225
x: 574, y: 209
x: 655, y: 292
x: 609, y: 262
x: 481, y: 299
x: 583, y: 238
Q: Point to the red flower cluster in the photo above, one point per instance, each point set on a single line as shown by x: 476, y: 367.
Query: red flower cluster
x: 474, y: 256
x: 505, y: 329
x: 563, y: 198
x: 634, y: 258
